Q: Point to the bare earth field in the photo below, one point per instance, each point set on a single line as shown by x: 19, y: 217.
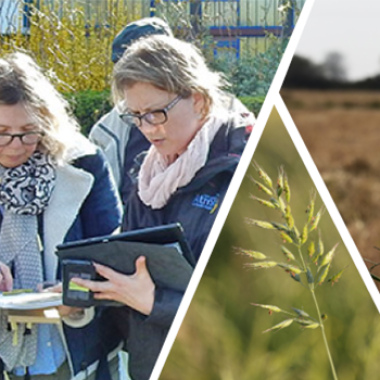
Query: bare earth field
x: 342, y: 132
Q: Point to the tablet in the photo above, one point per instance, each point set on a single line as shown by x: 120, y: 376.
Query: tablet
x: 169, y: 234
x: 164, y: 248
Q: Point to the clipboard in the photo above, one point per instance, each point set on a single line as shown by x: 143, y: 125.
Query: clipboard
x: 164, y: 247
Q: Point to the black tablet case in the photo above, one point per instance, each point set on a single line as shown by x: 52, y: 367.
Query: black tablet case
x: 167, y: 266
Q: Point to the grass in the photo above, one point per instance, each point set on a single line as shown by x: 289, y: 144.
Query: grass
x: 310, y: 253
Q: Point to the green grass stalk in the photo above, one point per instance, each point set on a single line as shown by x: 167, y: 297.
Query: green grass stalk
x: 312, y: 290
x: 300, y: 271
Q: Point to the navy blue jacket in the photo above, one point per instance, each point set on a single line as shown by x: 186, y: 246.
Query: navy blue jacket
x: 195, y: 206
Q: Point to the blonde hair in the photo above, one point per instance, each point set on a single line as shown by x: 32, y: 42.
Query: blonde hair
x: 171, y: 65
x: 22, y: 82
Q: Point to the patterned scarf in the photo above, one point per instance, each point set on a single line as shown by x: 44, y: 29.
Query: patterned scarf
x: 24, y: 194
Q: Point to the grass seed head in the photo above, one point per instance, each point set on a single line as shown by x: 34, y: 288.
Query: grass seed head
x: 295, y: 277
x: 261, y: 265
x: 286, y: 188
x: 290, y: 268
x: 329, y: 256
x: 280, y: 227
x: 282, y: 205
x: 304, y: 234
x: 312, y: 325
x: 271, y: 308
x: 280, y: 182
x: 263, y: 174
x: 281, y: 325
x: 335, y: 278
x: 275, y: 202
x: 301, y: 313
x: 259, y: 223
x: 320, y: 250
x: 315, y: 219
x: 288, y: 217
x: 304, y: 322
x: 264, y: 202
x: 254, y: 254
x: 285, y: 237
x: 289, y: 255
x: 261, y: 186
x: 295, y: 235
x: 309, y: 275
x: 311, y: 249
x: 310, y: 207
x: 323, y: 275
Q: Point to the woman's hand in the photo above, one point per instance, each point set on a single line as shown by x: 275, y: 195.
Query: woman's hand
x: 64, y: 311
x: 6, y: 279
x: 136, y: 290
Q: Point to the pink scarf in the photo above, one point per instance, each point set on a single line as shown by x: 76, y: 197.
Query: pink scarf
x: 158, y: 180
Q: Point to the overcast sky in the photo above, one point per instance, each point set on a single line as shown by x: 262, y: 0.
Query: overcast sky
x: 350, y: 27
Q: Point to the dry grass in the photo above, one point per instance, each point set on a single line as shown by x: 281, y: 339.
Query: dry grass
x: 331, y: 99
x: 341, y: 131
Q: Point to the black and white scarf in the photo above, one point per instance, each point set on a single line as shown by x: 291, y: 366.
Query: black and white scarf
x: 24, y: 194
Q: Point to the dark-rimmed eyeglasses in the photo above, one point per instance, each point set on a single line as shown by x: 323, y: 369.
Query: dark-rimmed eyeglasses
x: 154, y: 117
x: 27, y: 138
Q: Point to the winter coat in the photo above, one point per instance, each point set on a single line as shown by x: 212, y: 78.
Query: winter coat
x: 195, y: 206
x: 84, y: 204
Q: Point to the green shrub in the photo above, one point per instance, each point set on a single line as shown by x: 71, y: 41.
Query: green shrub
x: 252, y: 75
x: 253, y: 103
x: 89, y: 106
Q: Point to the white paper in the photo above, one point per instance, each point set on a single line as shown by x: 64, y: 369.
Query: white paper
x: 30, y: 301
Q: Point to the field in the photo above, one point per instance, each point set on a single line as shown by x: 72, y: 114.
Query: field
x: 342, y: 132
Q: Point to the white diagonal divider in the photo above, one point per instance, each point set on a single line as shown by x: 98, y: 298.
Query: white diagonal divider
x: 234, y: 186
x: 327, y: 199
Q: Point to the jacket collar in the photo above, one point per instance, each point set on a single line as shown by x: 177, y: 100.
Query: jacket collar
x: 71, y: 189
x: 224, y: 155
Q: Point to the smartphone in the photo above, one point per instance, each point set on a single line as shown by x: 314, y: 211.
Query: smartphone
x: 73, y: 294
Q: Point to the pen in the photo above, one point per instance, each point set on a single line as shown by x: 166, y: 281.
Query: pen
x: 18, y: 291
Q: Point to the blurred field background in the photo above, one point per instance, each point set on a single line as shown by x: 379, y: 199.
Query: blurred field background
x: 221, y: 336
x: 341, y: 132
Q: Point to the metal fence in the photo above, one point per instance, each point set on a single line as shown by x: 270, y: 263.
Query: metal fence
x: 242, y: 25
x: 74, y: 37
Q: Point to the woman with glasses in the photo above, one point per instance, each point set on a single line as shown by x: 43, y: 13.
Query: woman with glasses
x: 54, y: 187
x: 178, y: 104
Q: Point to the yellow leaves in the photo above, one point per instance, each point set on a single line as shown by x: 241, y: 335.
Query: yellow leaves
x: 73, y: 42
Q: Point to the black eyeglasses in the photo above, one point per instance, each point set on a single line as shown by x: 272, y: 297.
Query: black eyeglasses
x: 27, y: 138
x: 154, y: 117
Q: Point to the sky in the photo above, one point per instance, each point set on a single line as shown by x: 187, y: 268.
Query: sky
x: 350, y: 27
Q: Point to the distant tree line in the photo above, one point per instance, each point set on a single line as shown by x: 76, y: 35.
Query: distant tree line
x: 329, y: 75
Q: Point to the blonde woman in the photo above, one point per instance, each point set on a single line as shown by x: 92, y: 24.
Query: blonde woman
x: 55, y: 187
x: 169, y: 93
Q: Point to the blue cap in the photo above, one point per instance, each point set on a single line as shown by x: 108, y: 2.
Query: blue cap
x: 135, y: 30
